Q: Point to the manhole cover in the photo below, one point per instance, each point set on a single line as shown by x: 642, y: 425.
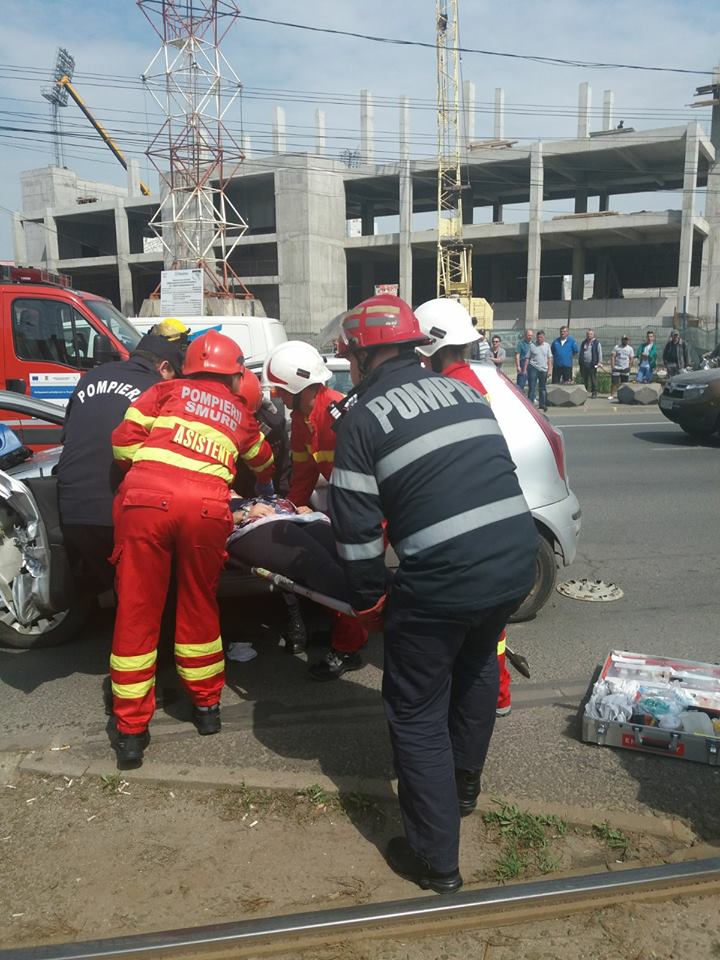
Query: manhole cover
x: 594, y: 590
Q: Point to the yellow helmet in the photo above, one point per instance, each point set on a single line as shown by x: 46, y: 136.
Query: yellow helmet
x: 172, y: 329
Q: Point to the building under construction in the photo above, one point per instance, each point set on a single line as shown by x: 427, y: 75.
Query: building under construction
x: 315, y: 240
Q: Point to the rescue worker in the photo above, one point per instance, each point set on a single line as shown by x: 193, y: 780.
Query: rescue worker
x: 424, y: 452
x: 451, y: 332
x: 179, y: 443
x: 298, y: 374
x: 173, y: 330
x: 87, y: 477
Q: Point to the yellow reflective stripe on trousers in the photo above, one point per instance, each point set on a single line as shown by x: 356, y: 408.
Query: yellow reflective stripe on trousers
x: 254, y: 449
x: 263, y: 466
x: 133, y: 691
x: 185, y: 463
x: 126, y: 453
x: 200, y: 673
x: 202, y: 429
x: 501, y: 646
x: 139, y: 662
x: 324, y: 456
x: 198, y: 649
x: 135, y: 416
x: 299, y: 457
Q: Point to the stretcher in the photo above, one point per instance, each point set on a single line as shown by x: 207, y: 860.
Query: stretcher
x: 278, y: 582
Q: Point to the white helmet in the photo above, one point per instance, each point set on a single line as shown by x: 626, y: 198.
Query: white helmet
x: 447, y: 322
x: 294, y: 365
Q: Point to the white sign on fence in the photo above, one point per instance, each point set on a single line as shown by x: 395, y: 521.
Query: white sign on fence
x: 181, y: 293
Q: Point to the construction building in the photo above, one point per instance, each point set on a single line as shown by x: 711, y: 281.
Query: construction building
x: 315, y: 242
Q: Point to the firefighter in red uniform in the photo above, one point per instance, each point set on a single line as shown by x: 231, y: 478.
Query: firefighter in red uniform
x: 297, y: 372
x: 450, y: 328
x: 180, y: 441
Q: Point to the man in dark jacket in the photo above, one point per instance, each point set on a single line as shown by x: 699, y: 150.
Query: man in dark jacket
x: 590, y: 359
x: 86, y: 473
x: 425, y: 453
x: 675, y: 354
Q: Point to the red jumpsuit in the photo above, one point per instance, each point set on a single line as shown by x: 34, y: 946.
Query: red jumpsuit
x: 460, y: 370
x: 312, y: 441
x: 179, y: 442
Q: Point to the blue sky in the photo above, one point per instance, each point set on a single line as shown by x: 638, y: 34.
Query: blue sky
x: 113, y: 38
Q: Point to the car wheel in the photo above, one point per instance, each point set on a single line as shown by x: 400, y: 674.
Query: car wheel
x: 49, y: 631
x: 543, y: 586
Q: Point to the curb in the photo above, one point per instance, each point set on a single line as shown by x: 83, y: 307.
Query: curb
x: 57, y: 765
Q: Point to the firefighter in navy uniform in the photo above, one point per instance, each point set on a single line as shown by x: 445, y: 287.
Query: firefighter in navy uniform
x: 425, y: 452
x: 87, y: 477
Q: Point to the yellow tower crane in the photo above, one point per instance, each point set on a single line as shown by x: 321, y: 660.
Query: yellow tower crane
x: 454, y: 256
x: 116, y: 151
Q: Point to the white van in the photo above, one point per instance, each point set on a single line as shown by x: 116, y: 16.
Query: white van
x: 256, y: 335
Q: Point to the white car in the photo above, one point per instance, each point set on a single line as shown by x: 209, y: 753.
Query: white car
x: 40, y: 605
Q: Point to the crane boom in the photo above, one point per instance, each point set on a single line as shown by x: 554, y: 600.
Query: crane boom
x: 454, y: 256
x: 116, y: 151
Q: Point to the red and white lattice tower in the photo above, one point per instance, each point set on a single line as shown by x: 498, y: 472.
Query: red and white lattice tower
x: 193, y: 152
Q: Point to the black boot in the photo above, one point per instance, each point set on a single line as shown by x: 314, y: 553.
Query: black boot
x: 295, y: 633
x: 468, y: 788
x: 402, y: 859
x: 131, y: 748
x: 207, y: 720
x: 334, y: 664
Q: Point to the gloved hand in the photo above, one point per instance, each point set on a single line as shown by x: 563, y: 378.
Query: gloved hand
x: 373, y: 619
x: 265, y: 490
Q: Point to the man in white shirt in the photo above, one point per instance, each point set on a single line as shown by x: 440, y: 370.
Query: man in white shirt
x: 621, y: 359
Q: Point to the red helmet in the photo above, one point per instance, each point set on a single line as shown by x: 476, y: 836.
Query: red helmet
x: 213, y: 352
x: 250, y: 391
x: 380, y: 321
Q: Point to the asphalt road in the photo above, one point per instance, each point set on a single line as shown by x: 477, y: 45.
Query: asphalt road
x: 651, y: 520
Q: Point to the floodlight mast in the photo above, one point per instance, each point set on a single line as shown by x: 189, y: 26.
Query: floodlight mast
x: 195, y: 155
x: 57, y: 97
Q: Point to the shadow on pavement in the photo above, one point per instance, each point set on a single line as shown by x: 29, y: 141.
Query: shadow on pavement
x: 676, y: 438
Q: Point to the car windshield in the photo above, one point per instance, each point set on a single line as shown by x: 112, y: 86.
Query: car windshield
x: 115, y: 322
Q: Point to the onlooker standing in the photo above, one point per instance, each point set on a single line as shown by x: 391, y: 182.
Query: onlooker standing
x: 590, y: 359
x: 497, y: 353
x: 480, y: 350
x: 647, y: 356
x: 564, y: 348
x: 675, y: 354
x: 621, y: 358
x: 540, y: 365
x: 522, y: 356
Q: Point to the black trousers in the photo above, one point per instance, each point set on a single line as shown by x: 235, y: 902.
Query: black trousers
x: 562, y: 374
x: 303, y: 551
x: 440, y: 687
x: 88, y: 548
x: 589, y: 376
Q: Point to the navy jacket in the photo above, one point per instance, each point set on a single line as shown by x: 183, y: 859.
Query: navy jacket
x: 425, y: 453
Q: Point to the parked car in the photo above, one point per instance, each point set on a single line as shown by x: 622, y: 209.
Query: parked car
x: 41, y: 606
x: 692, y: 400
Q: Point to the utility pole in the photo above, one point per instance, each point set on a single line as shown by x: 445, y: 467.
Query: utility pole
x: 454, y: 256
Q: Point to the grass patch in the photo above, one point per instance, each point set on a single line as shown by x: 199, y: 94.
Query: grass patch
x: 525, y: 841
x: 614, y: 839
x: 348, y: 803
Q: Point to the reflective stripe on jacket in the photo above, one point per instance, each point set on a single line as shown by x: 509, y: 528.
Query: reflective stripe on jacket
x: 194, y: 425
x: 313, y: 447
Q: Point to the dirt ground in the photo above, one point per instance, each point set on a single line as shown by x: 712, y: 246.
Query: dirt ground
x: 90, y: 858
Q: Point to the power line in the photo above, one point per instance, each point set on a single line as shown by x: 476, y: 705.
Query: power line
x: 550, y: 61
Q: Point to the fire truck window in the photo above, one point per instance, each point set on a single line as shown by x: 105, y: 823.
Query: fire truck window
x: 51, y: 331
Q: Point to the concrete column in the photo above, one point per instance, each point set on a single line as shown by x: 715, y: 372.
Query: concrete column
x: 469, y: 110
x: 133, y: 178
x: 608, y: 102
x: 604, y: 202
x: 584, y: 104
x: 577, y: 291
x: 320, y: 132
x: 278, y: 130
x: 367, y: 127
x: 406, y: 204
x: 52, y: 253
x: 19, y: 244
x: 367, y: 279
x: 581, y: 200
x: 247, y: 146
x: 367, y: 218
x: 497, y: 213
x: 532, y: 298
x: 687, y: 229
x: 122, y: 239
x: 499, y: 123
x: 710, y: 283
